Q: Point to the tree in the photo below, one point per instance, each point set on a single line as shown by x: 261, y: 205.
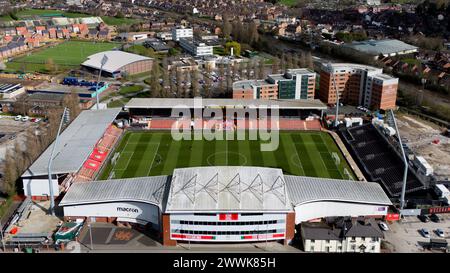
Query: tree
x: 226, y: 28
x: 236, y: 48
x: 194, y: 83
x: 50, y: 65
x: 173, y: 84
x: 221, y: 73
x: 207, y: 87
x: 253, y: 33
x: 276, y: 65
x: 155, y: 86
x: 283, y: 62
x: 261, y: 67
x: 309, y: 61
x: 179, y: 79
x: 229, y: 78
x: 72, y: 102
x: 237, y: 30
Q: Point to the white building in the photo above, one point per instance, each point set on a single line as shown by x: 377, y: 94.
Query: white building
x: 165, y: 36
x: 342, y: 235
x: 178, y: 33
x: 9, y: 91
x: 196, y: 48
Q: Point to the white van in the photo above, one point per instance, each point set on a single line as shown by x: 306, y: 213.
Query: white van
x: 25, y: 118
x: 17, y: 118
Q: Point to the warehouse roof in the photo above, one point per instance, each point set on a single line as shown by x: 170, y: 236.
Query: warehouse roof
x: 247, y: 189
x: 155, y: 103
x: 142, y: 189
x: 116, y: 60
x: 304, y: 189
x: 76, y: 142
x: 376, y: 47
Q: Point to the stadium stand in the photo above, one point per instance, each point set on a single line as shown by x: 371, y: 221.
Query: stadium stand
x: 94, y: 163
x: 378, y: 159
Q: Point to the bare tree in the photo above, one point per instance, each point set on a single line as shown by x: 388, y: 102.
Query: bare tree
x: 276, y: 65
x: 194, y: 83
x: 261, y: 68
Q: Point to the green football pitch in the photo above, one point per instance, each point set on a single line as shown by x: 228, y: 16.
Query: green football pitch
x: 156, y: 153
x: 66, y: 55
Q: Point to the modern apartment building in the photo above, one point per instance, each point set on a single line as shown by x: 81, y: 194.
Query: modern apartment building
x: 178, y: 33
x: 294, y: 84
x: 357, y: 85
x: 196, y: 48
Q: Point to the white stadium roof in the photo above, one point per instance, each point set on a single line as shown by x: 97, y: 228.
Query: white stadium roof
x: 75, y: 143
x: 216, y: 189
x: 116, y: 60
x: 142, y: 189
x: 304, y: 189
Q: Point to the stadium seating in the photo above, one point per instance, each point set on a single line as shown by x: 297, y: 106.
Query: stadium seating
x: 380, y: 162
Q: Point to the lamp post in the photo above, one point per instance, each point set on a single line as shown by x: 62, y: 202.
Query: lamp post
x: 102, y: 63
x: 50, y: 161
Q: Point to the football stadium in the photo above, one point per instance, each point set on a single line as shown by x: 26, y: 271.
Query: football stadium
x: 126, y: 166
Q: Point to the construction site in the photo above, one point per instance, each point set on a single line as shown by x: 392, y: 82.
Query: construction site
x: 427, y: 139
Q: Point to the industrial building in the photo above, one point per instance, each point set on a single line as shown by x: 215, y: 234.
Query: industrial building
x: 10, y: 90
x: 195, y: 47
x: 388, y: 47
x: 118, y: 64
x: 358, y: 85
x: 294, y: 84
x: 223, y: 204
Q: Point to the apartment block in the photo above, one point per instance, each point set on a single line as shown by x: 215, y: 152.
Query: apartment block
x: 294, y: 84
x: 178, y: 33
x: 357, y: 85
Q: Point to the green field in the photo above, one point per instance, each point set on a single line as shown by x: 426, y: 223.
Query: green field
x: 66, y: 55
x: 156, y: 153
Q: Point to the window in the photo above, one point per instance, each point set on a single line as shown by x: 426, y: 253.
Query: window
x: 373, y: 248
x: 327, y: 241
x: 327, y: 249
x: 313, y: 241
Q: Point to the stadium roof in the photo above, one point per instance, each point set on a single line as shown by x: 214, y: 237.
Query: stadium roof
x: 155, y: 103
x: 116, y: 60
x: 376, y: 47
x: 142, y: 189
x: 75, y: 143
x: 304, y: 189
x: 228, y: 189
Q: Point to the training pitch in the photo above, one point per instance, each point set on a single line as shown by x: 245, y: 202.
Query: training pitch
x: 156, y: 153
x: 65, y: 55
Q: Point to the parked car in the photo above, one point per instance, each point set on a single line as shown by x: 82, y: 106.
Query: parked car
x: 25, y: 118
x: 425, y: 233
x: 424, y: 218
x: 435, y: 218
x: 17, y: 118
x: 37, y: 120
x: 439, y: 232
x: 383, y: 226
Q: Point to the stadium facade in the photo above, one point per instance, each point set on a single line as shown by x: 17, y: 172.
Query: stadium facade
x: 223, y: 204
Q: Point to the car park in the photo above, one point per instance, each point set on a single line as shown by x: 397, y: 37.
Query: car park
x: 423, y: 218
x: 383, y: 226
x: 425, y: 233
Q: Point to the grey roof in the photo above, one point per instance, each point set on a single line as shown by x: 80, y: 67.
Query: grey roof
x: 384, y: 47
x: 304, y: 189
x: 76, y: 143
x: 249, y: 189
x: 149, y: 190
x: 155, y: 103
x: 320, y: 231
x: 116, y: 60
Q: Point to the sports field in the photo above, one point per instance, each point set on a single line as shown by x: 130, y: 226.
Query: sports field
x: 156, y: 153
x: 66, y: 55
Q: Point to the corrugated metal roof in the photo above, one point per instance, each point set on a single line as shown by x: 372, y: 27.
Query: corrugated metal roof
x: 384, y: 47
x: 141, y: 189
x: 156, y: 103
x: 227, y: 189
x: 116, y: 60
x: 76, y: 142
x: 304, y: 189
